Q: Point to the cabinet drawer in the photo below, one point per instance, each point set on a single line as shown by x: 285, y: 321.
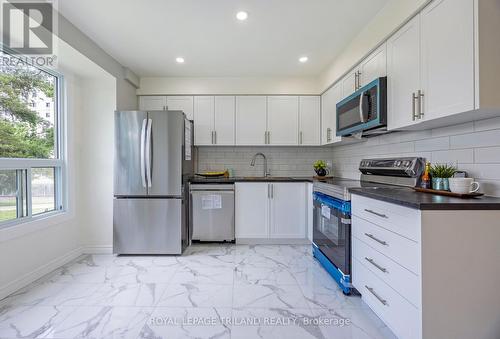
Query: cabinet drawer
x: 399, y: 278
x: 403, y: 251
x: 401, y: 316
x: 398, y: 219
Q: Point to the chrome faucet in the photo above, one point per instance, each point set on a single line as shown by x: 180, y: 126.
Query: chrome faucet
x: 266, y: 173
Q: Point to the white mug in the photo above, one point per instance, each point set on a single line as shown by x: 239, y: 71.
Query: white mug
x: 463, y: 185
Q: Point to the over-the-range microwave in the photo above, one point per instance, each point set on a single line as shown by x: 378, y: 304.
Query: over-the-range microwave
x: 364, y: 111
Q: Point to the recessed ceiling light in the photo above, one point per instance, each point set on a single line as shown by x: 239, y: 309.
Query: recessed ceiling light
x: 179, y: 60
x: 242, y: 15
x: 303, y: 59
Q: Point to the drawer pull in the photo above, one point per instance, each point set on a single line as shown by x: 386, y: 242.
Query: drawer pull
x: 371, y: 261
x: 377, y: 240
x: 383, y: 301
x: 377, y: 214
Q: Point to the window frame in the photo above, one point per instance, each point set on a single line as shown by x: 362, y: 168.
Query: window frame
x: 58, y: 163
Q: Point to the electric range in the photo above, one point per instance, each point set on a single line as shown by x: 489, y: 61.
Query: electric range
x: 332, y: 210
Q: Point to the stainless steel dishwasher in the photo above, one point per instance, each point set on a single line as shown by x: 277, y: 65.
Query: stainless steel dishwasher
x: 212, y: 212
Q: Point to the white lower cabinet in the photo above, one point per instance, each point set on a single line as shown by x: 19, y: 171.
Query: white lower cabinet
x: 386, y: 262
x: 271, y: 210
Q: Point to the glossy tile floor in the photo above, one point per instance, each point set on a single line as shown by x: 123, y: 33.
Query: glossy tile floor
x: 212, y: 291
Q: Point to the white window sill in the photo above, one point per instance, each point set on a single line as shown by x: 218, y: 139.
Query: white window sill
x: 34, y: 225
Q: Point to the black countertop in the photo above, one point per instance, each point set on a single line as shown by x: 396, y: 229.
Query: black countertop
x: 223, y: 180
x: 424, y: 201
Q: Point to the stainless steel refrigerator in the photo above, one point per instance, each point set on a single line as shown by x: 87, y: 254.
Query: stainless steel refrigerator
x: 152, y: 165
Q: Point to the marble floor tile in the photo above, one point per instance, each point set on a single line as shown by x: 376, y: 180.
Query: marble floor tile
x: 268, y: 296
x: 102, y: 322
x: 211, y: 291
x: 197, y: 295
x: 263, y: 276
x: 188, y: 323
x: 31, y: 321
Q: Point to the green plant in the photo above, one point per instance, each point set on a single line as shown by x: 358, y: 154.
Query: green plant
x: 320, y: 164
x: 443, y: 171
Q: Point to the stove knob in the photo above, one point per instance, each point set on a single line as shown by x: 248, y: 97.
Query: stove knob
x: 398, y: 163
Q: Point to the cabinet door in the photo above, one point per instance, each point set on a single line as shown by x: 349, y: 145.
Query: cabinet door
x: 403, y: 74
x: 152, y: 103
x: 375, y: 66
x: 349, y: 84
x: 283, y: 120
x: 251, y: 115
x: 181, y: 103
x: 224, y: 120
x: 309, y: 120
x: 288, y: 211
x: 329, y: 101
x: 447, y: 58
x: 203, y: 120
x: 251, y: 210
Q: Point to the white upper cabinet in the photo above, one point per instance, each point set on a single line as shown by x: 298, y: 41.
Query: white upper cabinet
x: 282, y: 120
x: 309, y: 120
x: 251, y: 120
x: 403, y: 74
x: 374, y: 66
x: 224, y: 120
x: 181, y: 103
x: 153, y: 103
x: 447, y: 44
x: 350, y: 83
x: 329, y: 101
x: 204, y: 108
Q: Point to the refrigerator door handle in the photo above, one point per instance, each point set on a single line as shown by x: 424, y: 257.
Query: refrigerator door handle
x: 148, y: 153
x: 142, y: 151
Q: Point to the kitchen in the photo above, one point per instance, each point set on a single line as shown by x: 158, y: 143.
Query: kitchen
x: 349, y: 192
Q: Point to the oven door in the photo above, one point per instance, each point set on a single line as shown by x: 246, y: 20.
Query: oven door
x: 332, y: 230
x: 363, y: 110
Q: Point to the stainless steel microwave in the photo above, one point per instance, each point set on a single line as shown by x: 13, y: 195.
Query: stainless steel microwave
x: 364, y: 110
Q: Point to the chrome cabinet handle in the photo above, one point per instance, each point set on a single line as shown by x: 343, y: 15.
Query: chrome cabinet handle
x: 359, y: 80
x: 265, y: 137
x: 414, y: 106
x: 143, y: 151
x: 268, y: 191
x: 382, y: 242
x: 272, y: 191
x: 215, y: 137
x: 212, y: 135
x: 371, y: 261
x: 328, y: 134
x: 379, y: 298
x: 300, y: 137
x: 269, y: 137
x: 377, y: 214
x: 420, y: 95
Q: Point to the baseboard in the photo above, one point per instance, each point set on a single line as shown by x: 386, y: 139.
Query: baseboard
x: 39, y: 272
x: 104, y: 249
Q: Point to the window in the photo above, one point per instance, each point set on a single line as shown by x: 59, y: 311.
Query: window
x: 31, y: 149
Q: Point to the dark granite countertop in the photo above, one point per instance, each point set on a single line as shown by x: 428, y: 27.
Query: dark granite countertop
x: 223, y: 180
x: 424, y: 201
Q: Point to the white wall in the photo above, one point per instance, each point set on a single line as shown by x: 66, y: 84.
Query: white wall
x: 193, y: 85
x: 95, y: 149
x: 473, y: 147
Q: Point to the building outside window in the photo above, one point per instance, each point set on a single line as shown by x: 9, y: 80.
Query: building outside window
x: 31, y: 149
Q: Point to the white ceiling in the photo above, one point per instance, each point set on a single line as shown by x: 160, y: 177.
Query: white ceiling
x: 147, y: 36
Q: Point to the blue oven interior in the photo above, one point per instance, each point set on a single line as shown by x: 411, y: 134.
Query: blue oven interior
x: 332, y: 237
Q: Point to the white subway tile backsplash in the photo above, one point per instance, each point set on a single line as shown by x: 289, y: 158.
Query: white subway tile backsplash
x: 453, y: 130
x: 465, y: 156
x: 477, y: 139
x: 487, y: 155
x: 432, y: 144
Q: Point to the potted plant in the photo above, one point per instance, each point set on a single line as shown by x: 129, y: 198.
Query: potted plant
x: 321, y: 168
x: 440, y: 175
